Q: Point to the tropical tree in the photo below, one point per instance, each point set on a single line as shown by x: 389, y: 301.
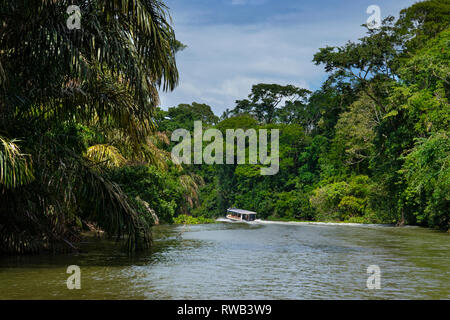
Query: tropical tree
x: 264, y: 100
x: 427, y: 175
x: 57, y: 85
x: 184, y: 115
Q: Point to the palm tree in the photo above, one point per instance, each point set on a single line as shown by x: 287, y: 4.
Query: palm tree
x: 53, y: 83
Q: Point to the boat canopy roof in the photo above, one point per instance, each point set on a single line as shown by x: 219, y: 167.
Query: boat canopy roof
x: 240, y: 211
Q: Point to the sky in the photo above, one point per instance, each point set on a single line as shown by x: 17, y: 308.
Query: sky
x: 234, y: 44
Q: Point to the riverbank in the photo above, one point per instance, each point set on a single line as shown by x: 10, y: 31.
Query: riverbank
x: 190, y: 220
x: 329, y: 223
x: 353, y: 221
x: 186, y: 219
x: 272, y: 220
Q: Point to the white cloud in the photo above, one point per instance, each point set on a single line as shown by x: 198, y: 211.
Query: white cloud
x: 223, y: 61
x: 233, y: 58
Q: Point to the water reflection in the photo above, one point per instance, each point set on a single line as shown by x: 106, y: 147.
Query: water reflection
x: 249, y: 261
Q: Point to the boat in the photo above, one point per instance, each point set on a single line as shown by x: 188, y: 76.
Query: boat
x: 240, y: 215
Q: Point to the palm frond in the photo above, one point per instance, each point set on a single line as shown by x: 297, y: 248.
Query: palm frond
x: 47, y: 214
x: 15, y: 167
x: 131, y: 39
x: 149, y: 210
x: 191, y: 184
x: 105, y: 155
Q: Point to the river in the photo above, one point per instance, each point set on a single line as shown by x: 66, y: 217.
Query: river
x: 245, y: 261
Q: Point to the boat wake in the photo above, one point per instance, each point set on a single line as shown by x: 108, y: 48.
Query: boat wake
x: 258, y: 221
x: 236, y: 221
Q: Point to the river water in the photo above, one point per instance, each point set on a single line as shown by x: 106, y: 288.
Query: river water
x: 245, y: 261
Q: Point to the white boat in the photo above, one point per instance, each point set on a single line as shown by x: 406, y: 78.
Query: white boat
x: 240, y: 215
